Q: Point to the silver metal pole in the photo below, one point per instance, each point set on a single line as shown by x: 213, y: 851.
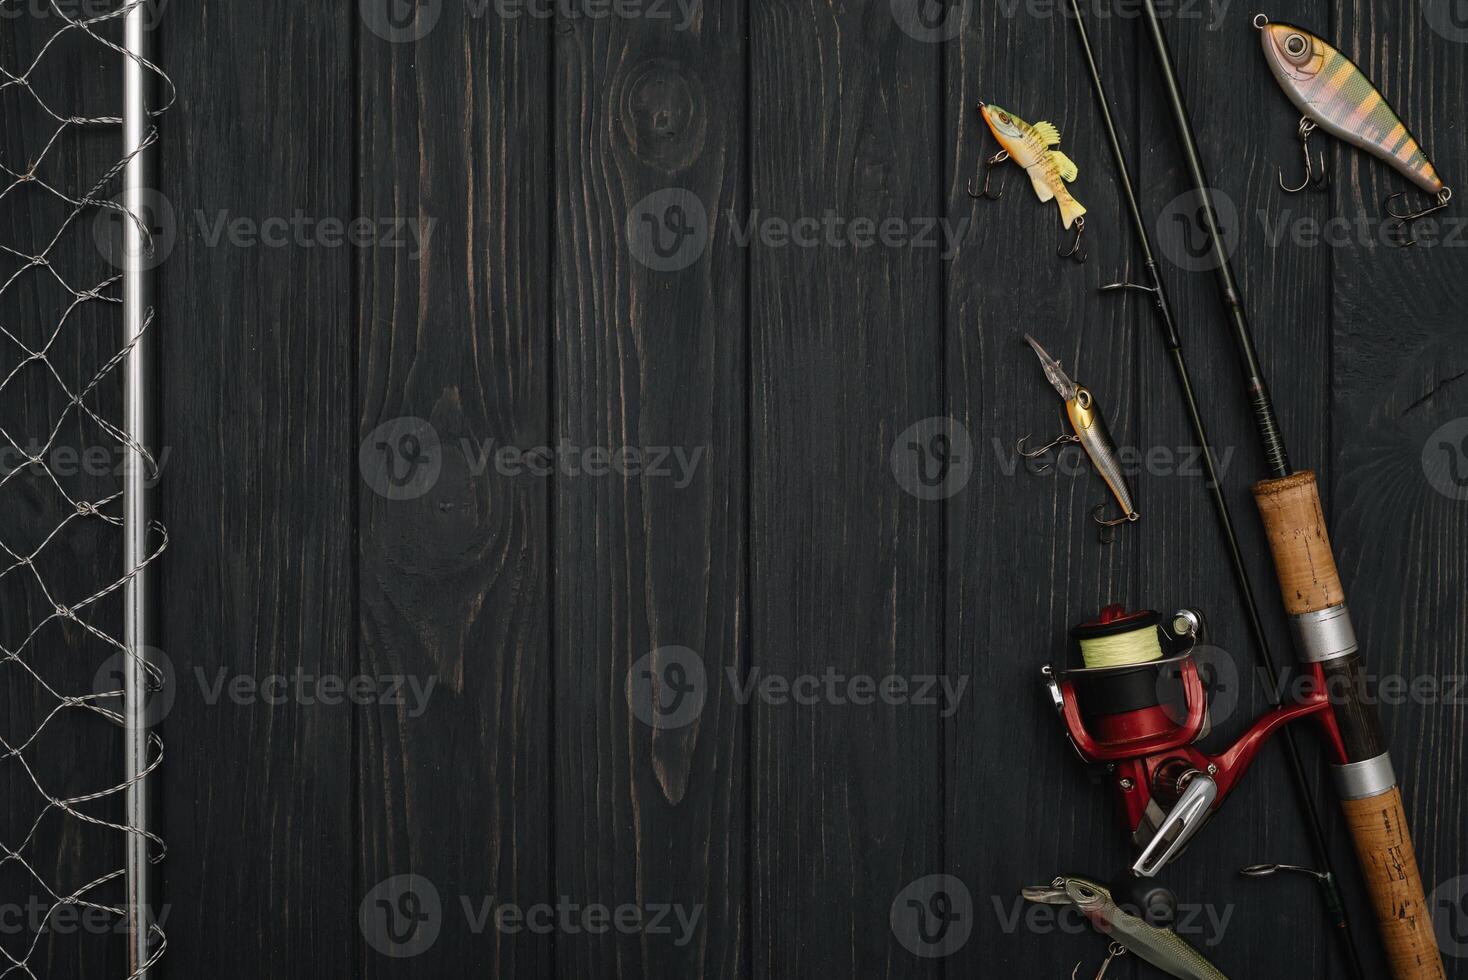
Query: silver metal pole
x: 137, y: 298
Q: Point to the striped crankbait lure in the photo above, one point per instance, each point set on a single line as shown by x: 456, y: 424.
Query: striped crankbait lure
x: 1335, y: 95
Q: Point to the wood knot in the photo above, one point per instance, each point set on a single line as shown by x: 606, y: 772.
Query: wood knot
x: 663, y: 114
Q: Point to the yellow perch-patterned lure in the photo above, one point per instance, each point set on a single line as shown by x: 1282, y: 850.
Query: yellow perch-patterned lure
x: 1033, y: 148
x: 1336, y: 95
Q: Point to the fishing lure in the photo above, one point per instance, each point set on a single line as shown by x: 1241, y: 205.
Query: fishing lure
x: 1089, y: 429
x: 1033, y: 148
x: 1335, y: 95
x: 1163, y: 948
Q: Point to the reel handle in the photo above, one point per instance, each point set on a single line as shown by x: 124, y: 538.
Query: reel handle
x: 1310, y: 585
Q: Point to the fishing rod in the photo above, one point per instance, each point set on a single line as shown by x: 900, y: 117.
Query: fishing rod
x: 1157, y: 289
x: 1310, y: 586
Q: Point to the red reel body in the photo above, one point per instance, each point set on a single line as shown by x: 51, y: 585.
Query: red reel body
x: 1166, y: 787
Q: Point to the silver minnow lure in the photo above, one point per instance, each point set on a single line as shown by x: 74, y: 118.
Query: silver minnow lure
x: 1089, y: 427
x: 1163, y: 948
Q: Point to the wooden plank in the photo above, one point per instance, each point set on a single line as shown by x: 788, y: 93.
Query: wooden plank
x: 454, y: 559
x: 649, y: 316
x: 1024, y: 562
x: 847, y: 565
x: 255, y: 345
x: 1395, y: 483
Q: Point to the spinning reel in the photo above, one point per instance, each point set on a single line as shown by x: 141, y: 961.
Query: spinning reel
x: 1138, y: 707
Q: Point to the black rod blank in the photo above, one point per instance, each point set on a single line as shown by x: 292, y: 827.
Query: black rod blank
x: 1158, y: 290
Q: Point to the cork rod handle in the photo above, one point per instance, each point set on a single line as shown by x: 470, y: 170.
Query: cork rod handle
x: 1309, y: 582
x: 1384, y: 850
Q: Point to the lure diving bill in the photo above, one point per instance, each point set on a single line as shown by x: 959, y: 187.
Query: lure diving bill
x: 1032, y: 147
x: 1334, y: 94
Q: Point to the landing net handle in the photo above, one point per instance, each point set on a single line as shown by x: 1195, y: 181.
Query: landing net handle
x: 139, y: 621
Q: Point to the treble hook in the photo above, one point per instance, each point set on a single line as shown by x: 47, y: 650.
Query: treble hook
x: 1063, y: 439
x: 989, y: 166
x: 1075, y: 246
x: 1107, y: 525
x: 1320, y: 181
x: 1113, y: 950
x: 1402, y: 220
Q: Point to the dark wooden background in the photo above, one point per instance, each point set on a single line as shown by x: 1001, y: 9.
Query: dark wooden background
x: 530, y: 320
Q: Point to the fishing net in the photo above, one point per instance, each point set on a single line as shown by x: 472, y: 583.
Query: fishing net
x: 64, y: 459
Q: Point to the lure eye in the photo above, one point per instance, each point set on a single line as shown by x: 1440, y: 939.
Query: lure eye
x: 1083, y: 398
x: 1296, y: 45
x: 1085, y: 892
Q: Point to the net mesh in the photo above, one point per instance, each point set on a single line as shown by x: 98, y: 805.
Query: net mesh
x: 63, y: 455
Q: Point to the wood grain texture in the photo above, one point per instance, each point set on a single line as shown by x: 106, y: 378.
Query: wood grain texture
x: 537, y: 316
x: 650, y: 806
x: 454, y: 581
x: 258, y: 494
x: 846, y: 565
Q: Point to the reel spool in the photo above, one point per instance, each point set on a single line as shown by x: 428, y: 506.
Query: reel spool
x: 1131, y: 693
